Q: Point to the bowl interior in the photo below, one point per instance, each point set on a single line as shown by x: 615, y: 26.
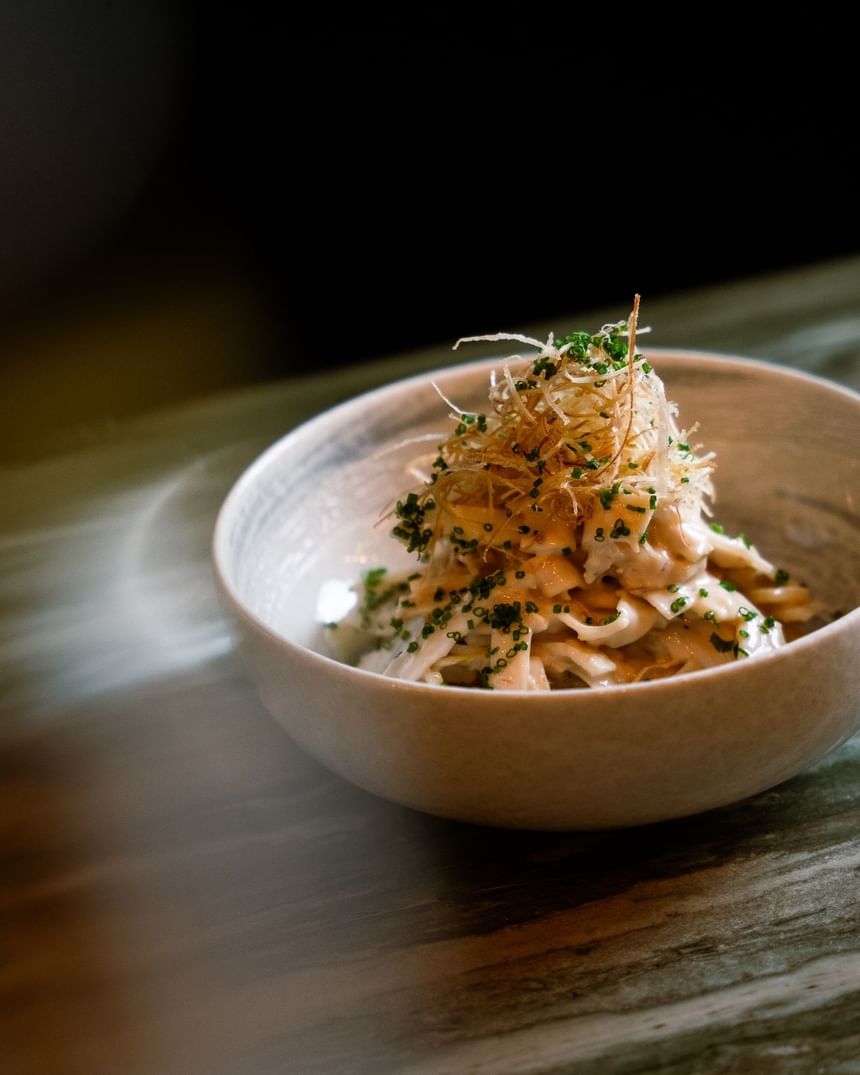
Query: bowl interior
x: 310, y: 515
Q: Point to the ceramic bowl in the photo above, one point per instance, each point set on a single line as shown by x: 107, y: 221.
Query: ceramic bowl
x: 304, y: 520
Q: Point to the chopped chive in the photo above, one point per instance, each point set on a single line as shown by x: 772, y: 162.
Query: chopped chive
x: 606, y: 496
x: 544, y: 366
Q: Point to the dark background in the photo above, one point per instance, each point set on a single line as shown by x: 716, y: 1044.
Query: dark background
x: 369, y: 182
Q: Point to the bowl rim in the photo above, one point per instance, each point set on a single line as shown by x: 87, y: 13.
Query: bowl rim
x: 330, y: 665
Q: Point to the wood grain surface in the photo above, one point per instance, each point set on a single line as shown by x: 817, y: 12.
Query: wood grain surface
x: 184, y: 891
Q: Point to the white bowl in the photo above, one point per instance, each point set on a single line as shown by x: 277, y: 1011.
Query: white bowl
x: 304, y: 520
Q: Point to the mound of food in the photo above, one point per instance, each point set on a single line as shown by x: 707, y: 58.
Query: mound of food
x: 563, y: 538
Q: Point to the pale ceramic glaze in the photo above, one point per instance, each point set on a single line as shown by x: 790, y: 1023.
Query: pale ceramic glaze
x: 308, y: 511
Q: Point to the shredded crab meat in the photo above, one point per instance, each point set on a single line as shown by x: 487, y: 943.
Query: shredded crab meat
x: 563, y: 537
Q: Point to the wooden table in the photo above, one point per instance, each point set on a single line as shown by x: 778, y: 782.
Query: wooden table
x: 185, y: 891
